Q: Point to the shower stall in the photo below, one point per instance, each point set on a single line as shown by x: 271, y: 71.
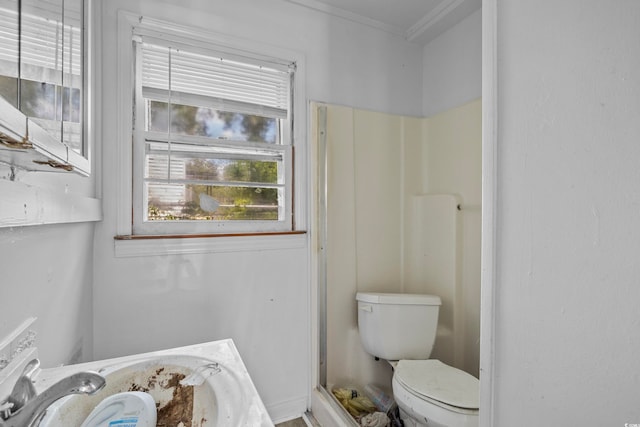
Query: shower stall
x: 397, y: 210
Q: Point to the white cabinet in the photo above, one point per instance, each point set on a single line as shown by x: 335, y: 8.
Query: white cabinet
x: 43, y: 85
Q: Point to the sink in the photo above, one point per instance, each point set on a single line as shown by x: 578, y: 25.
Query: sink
x: 195, y: 386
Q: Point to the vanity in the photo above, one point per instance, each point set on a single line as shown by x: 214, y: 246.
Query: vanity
x: 45, y: 64
x: 199, y: 385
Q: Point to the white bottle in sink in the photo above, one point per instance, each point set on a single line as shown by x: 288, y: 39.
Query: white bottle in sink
x: 129, y: 409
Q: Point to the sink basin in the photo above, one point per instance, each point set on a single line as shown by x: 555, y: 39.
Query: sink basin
x: 195, y: 386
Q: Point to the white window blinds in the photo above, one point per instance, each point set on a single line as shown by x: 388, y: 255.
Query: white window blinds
x: 46, y: 44
x: 239, y: 86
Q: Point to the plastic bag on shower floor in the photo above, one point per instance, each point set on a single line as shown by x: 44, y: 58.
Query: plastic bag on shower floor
x: 353, y: 401
x: 376, y: 419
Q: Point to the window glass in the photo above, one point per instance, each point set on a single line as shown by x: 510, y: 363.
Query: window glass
x: 208, y: 202
x: 203, y: 121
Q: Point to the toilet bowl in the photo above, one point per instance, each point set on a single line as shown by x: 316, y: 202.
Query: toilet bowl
x: 431, y: 393
x: 428, y: 392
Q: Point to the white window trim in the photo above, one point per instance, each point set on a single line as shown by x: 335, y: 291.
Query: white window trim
x: 195, y: 245
x: 125, y: 89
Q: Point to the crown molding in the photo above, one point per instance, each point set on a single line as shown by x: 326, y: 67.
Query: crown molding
x: 446, y: 13
x: 349, y: 16
x: 432, y: 18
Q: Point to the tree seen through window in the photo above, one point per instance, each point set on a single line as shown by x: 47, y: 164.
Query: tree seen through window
x: 237, y: 201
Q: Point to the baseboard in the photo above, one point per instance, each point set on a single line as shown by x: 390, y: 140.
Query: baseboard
x: 288, y: 409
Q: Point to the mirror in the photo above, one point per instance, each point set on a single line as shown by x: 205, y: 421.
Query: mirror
x: 42, y: 75
x: 9, y: 55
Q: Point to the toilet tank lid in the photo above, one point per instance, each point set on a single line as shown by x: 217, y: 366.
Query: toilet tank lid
x: 389, y: 298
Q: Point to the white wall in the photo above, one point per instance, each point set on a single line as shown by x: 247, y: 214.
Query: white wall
x: 260, y: 298
x: 452, y: 86
x: 452, y: 159
x: 46, y: 273
x: 568, y: 223
x: 364, y: 230
x: 452, y: 67
x: 47, y: 269
x: 347, y: 63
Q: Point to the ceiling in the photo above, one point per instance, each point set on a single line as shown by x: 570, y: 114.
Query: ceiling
x: 418, y: 21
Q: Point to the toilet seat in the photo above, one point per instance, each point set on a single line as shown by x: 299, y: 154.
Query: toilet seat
x: 439, y: 383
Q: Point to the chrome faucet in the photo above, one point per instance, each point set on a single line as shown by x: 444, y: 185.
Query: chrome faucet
x: 25, y: 408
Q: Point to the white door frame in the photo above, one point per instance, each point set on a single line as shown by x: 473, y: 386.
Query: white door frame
x: 489, y: 187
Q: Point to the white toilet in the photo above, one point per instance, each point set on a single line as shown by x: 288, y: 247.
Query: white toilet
x: 402, y: 328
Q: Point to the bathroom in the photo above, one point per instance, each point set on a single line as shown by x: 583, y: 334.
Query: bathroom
x: 97, y: 298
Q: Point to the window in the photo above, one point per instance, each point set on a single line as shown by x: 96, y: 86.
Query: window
x: 212, y: 135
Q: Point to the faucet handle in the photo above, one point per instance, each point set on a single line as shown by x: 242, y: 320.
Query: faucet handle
x: 5, y: 409
x: 24, y: 390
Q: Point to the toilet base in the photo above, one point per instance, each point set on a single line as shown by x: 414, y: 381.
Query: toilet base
x: 412, y: 422
x: 418, y: 412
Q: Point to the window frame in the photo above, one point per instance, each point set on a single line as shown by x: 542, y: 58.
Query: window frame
x: 297, y: 206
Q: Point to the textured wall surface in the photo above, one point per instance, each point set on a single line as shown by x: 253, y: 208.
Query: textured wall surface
x: 568, y: 227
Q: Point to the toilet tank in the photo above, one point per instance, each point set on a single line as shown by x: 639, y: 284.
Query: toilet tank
x: 397, y: 326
